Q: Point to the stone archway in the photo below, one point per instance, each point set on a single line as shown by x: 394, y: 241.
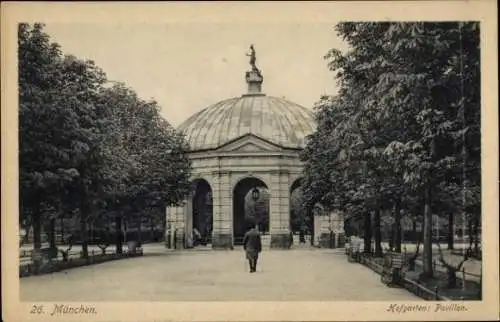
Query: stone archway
x: 201, y: 213
x: 246, y: 212
x: 301, y: 217
x: 298, y: 213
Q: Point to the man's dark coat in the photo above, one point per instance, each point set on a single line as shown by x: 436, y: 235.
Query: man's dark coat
x: 252, y: 243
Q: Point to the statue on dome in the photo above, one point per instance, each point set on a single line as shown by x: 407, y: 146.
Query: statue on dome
x: 253, y: 58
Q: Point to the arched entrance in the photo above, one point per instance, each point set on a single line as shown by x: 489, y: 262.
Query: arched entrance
x: 250, y: 207
x: 301, y: 218
x: 297, y: 210
x: 202, y: 213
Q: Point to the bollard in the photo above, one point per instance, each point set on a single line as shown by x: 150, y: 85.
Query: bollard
x: 464, y: 284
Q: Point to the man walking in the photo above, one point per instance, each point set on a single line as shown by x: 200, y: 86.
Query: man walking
x: 252, y: 246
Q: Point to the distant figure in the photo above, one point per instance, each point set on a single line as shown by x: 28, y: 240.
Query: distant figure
x: 196, y: 234
x: 198, y: 238
x: 252, y: 246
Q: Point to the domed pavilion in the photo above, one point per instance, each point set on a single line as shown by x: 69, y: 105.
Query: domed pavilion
x: 239, y: 148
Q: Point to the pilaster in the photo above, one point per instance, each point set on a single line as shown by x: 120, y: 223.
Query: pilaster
x: 222, y: 235
x: 280, y: 210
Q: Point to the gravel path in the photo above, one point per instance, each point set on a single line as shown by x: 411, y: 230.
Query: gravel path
x: 300, y: 274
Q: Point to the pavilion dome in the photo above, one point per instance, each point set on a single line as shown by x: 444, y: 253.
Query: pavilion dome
x: 270, y: 118
x: 274, y: 119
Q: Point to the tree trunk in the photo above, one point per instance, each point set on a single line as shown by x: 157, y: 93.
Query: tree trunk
x: 62, y: 230
x: 367, y: 233
x: 84, y: 232
x: 125, y: 229
x: 451, y: 231
x: 52, y: 233
x: 451, y: 276
x: 471, y: 235
x: 391, y: 237
x: 118, y: 232
x: 311, y: 216
x: 476, y: 233
x: 414, y: 230
x: 37, y: 231
x: 378, y: 234
x: 413, y: 258
x: 152, y: 230
x: 397, y: 226
x: 139, y: 231
x: 427, y: 252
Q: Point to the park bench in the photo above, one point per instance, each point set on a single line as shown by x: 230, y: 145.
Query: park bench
x: 392, y: 269
x: 353, y: 253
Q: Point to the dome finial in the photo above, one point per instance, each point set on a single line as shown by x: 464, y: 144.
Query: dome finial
x: 253, y: 58
x: 254, y: 77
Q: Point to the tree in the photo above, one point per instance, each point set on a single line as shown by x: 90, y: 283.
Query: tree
x: 53, y: 136
x: 83, y: 82
x: 425, y: 53
x: 152, y: 168
x: 391, y: 138
x: 87, y: 149
x: 37, y: 60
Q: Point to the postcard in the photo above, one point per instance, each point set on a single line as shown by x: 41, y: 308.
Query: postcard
x: 247, y: 161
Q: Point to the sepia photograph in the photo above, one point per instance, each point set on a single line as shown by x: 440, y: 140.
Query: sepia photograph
x: 194, y: 162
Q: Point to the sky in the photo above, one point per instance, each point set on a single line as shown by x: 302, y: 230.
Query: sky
x: 186, y: 67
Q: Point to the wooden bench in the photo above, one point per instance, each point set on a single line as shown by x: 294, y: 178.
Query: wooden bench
x: 392, y: 269
x: 353, y: 253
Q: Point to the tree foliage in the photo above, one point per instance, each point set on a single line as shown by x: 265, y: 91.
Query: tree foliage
x: 403, y: 133
x: 88, y: 149
x: 299, y: 219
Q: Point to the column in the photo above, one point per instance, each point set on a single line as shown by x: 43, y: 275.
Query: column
x: 222, y: 234
x: 216, y: 209
x: 279, y: 213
